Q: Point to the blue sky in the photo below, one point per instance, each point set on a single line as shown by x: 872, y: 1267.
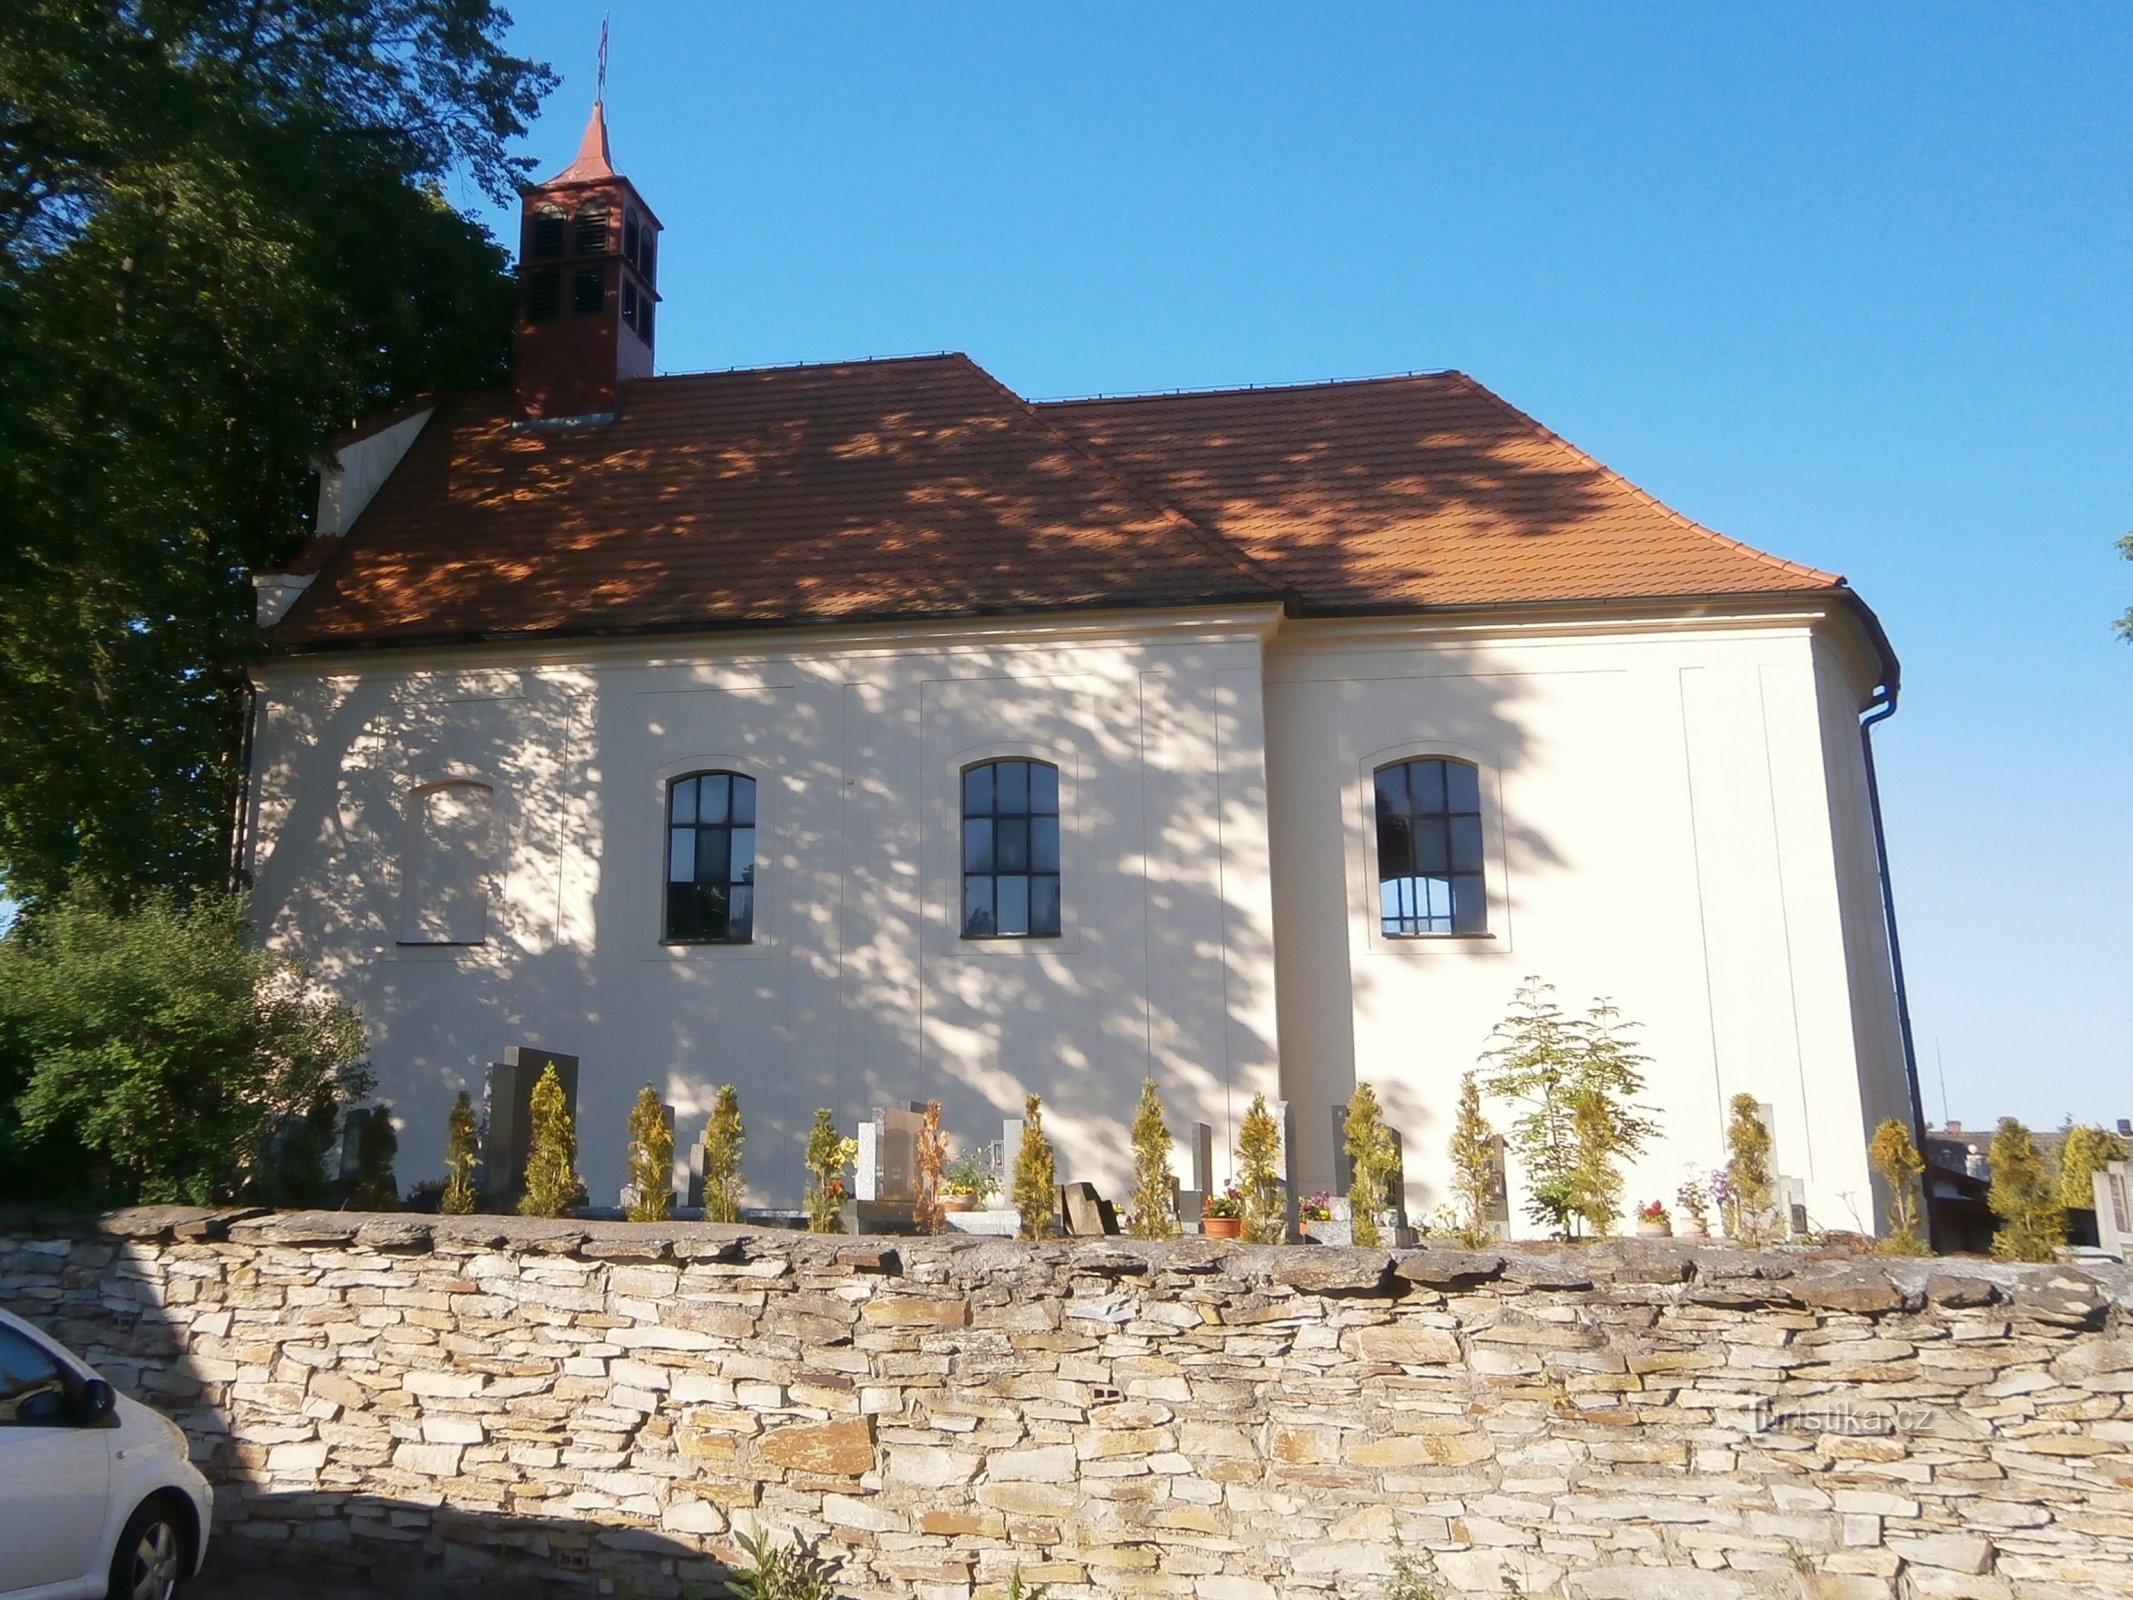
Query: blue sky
x: 1849, y: 283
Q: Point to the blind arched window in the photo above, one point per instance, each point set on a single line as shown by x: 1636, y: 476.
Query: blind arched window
x: 447, y: 887
x: 1011, y: 850
x: 710, y: 859
x: 1429, y: 849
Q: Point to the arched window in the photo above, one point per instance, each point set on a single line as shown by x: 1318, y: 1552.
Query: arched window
x: 711, y: 859
x: 1429, y: 848
x: 447, y: 887
x: 1011, y: 850
x: 547, y: 231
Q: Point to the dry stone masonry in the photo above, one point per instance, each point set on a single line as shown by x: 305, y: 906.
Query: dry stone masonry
x: 602, y: 1409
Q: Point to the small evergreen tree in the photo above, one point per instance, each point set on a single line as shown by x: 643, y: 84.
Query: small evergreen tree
x: 2032, y: 1224
x: 1036, y: 1189
x: 1155, y: 1213
x: 929, y: 1156
x: 651, y: 1158
x: 723, y: 1138
x: 1473, y: 1165
x: 1749, y: 1207
x: 828, y: 1154
x: 552, y: 1182
x: 1259, y: 1174
x: 461, y: 1151
x: 376, y: 1188
x: 2084, y: 1152
x: 1895, y: 1159
x: 1376, y: 1162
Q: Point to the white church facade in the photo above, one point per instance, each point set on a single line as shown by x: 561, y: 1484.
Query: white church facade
x: 863, y: 733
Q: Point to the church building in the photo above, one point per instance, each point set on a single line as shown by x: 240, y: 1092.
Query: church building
x: 863, y: 733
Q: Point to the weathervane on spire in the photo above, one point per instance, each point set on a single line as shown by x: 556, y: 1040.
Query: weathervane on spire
x: 600, y: 93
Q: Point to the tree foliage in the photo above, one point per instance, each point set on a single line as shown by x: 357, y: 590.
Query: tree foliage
x: 158, y: 1056
x: 828, y: 1154
x: 1375, y: 1163
x: 1036, y: 1185
x: 462, y: 1150
x: 651, y: 1158
x: 1154, y: 1212
x: 222, y: 238
x: 2032, y: 1224
x: 2085, y: 1151
x: 1749, y: 1209
x: 552, y: 1182
x: 1259, y: 1174
x: 1576, y: 1080
x: 1896, y: 1161
x: 377, y: 1187
x: 2124, y: 625
x: 928, y: 1156
x: 723, y: 1138
x: 1473, y: 1165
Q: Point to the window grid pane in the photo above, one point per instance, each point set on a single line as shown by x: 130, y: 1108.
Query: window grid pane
x: 710, y: 859
x: 1011, y: 850
x: 1430, y: 874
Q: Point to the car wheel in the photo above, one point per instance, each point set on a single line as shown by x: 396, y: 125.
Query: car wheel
x: 149, y: 1562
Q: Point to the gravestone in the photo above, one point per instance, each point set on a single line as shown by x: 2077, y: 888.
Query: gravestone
x: 1393, y: 1223
x: 507, y: 1119
x: 2113, y: 1188
x: 1200, y: 1166
x: 885, y: 1173
x: 1088, y: 1215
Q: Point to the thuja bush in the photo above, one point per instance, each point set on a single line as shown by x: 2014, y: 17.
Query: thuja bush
x: 157, y: 1055
x: 2032, y: 1223
x: 651, y: 1158
x: 928, y: 1157
x: 461, y: 1151
x: 552, y: 1182
x: 1376, y: 1163
x: 1473, y: 1166
x: 1154, y: 1213
x: 376, y: 1188
x: 1259, y: 1174
x: 829, y: 1153
x: 1896, y: 1162
x: 2084, y: 1152
x: 1036, y: 1188
x: 723, y: 1137
x: 1749, y: 1206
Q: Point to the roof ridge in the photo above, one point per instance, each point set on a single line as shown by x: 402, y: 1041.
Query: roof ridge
x: 1828, y: 579
x: 1252, y: 388
x: 802, y: 366
x: 1215, y: 542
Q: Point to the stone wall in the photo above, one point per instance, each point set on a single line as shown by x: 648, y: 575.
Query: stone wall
x: 603, y: 1408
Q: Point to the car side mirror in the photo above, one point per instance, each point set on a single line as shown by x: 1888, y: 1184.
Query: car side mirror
x: 98, y: 1399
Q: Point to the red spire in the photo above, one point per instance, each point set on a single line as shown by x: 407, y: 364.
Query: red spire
x: 592, y: 163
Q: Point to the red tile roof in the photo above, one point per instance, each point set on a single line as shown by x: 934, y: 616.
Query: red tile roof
x: 922, y: 488
x: 1414, y: 491
x: 893, y: 489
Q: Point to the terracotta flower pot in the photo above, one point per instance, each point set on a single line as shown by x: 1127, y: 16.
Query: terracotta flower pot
x: 1222, y: 1227
x: 1655, y: 1230
x: 959, y: 1202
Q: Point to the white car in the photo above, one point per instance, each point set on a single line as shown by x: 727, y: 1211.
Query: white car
x: 98, y: 1496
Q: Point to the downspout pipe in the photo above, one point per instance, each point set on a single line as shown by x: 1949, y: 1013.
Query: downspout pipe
x: 1880, y: 709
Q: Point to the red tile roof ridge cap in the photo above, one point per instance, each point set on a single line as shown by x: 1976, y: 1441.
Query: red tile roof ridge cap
x: 376, y: 424
x: 804, y: 366
x: 1215, y: 542
x: 1220, y: 389
x: 1832, y: 580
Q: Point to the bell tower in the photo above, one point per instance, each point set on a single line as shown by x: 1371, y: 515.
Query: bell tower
x: 587, y: 266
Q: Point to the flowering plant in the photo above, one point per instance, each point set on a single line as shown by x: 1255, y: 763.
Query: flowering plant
x: 1319, y: 1208
x: 1229, y: 1203
x: 1695, y: 1203
x: 1653, y: 1211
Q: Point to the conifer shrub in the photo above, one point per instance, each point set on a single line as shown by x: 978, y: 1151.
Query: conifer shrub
x: 376, y: 1188
x: 829, y: 1153
x: 1896, y: 1161
x: 552, y: 1182
x: 1154, y: 1214
x: 2084, y: 1152
x: 651, y: 1158
x: 1259, y: 1174
x: 1036, y: 1188
x: 2032, y: 1223
x: 928, y: 1158
x: 462, y: 1150
x: 1595, y: 1178
x: 1376, y: 1163
x: 1473, y: 1166
x: 1748, y: 1208
x: 723, y: 1138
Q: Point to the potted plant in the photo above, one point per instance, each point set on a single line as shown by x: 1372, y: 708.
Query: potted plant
x: 1652, y: 1220
x: 1222, y: 1215
x: 966, y: 1181
x: 1695, y: 1204
x: 1314, y: 1217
